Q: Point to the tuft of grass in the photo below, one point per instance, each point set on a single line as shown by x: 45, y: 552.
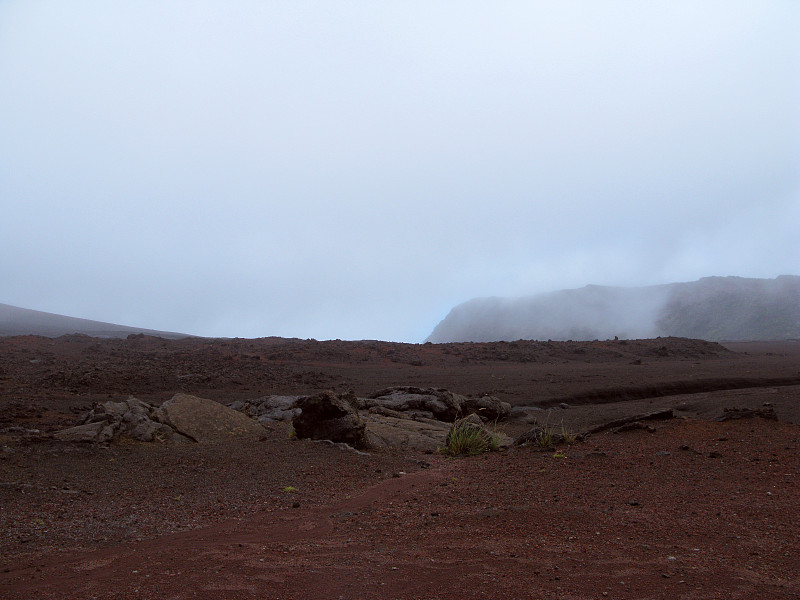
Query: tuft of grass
x: 545, y: 436
x: 290, y: 488
x: 548, y: 436
x: 468, y: 439
x: 569, y: 437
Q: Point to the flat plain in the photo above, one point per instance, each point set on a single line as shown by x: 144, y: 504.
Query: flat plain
x: 691, y: 507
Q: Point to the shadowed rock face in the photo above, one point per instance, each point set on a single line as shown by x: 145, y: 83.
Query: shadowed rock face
x: 327, y: 416
x: 713, y: 308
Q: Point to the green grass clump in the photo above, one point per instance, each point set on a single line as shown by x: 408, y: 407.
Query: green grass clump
x: 467, y: 438
x: 545, y: 435
x: 569, y: 437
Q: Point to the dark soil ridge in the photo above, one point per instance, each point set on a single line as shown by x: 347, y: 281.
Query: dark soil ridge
x: 672, y: 388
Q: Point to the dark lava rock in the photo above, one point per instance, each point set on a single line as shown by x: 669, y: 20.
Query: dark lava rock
x: 327, y: 416
x: 730, y: 414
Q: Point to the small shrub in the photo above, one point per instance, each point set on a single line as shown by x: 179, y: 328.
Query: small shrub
x: 468, y: 439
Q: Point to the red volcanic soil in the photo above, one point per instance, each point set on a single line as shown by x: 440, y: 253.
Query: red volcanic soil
x: 696, y: 508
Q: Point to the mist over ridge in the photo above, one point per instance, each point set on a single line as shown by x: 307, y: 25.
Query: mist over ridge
x: 712, y: 308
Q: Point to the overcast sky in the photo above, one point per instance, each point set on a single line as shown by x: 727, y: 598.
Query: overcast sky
x: 355, y: 169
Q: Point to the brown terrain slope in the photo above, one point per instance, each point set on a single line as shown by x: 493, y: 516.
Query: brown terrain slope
x: 689, y: 507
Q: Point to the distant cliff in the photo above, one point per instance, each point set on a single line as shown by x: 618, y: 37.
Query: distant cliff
x: 23, y: 321
x: 713, y: 308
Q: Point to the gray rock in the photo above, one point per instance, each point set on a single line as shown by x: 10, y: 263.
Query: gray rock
x: 385, y: 432
x: 150, y: 431
x: 279, y: 415
x: 111, y: 411
x: 137, y: 412
x: 107, y: 433
x: 88, y: 432
x: 269, y: 408
x: 204, y: 420
x: 442, y: 404
x: 388, y: 412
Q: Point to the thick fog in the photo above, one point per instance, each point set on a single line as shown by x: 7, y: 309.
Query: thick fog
x: 587, y: 313
x: 355, y: 170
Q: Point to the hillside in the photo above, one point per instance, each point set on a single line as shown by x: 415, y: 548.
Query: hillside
x: 712, y: 308
x: 23, y: 321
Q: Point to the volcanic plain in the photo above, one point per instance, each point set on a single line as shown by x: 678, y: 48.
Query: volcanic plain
x: 702, y: 505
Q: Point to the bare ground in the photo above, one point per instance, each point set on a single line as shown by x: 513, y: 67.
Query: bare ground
x: 695, y: 509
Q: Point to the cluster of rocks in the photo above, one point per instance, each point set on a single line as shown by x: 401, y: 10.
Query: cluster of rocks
x: 395, y: 418
x: 403, y: 417
x: 267, y: 409
x: 401, y: 402
x: 392, y: 418
x: 183, y: 418
x: 435, y: 403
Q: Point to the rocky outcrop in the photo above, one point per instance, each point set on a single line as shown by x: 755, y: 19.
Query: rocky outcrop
x: 429, y: 403
x: 268, y: 409
x: 328, y: 416
x: 110, y: 420
x: 403, y: 417
x: 181, y: 419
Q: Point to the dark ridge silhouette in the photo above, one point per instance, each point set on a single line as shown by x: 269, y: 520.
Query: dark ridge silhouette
x: 712, y: 308
x: 24, y: 321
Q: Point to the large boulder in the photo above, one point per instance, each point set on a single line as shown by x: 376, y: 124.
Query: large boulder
x: 204, y: 420
x: 327, y: 416
x: 385, y: 431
